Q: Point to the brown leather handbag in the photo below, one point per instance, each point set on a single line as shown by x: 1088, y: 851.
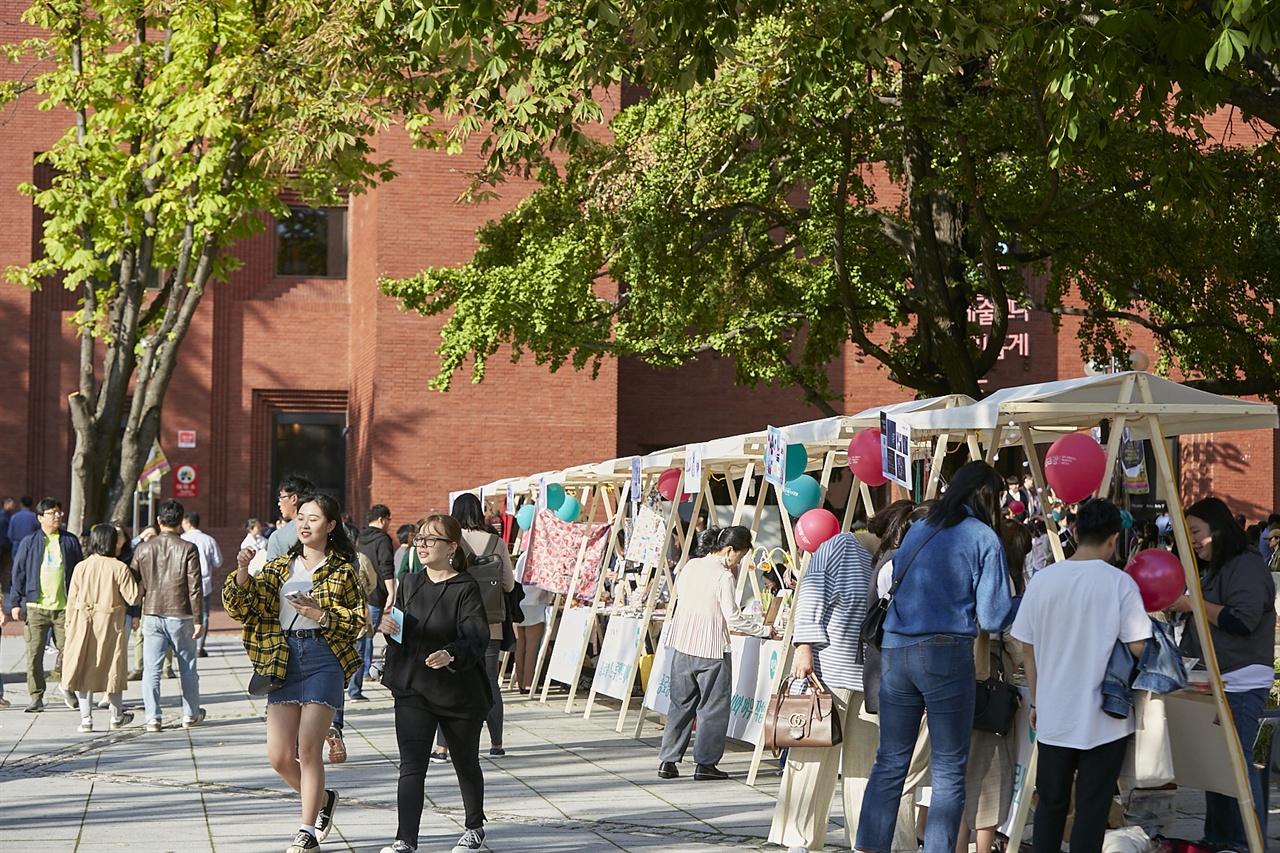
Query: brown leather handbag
x: 801, y: 719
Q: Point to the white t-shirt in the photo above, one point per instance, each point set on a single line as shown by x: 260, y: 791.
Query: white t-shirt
x: 1073, y: 614
x: 299, y: 581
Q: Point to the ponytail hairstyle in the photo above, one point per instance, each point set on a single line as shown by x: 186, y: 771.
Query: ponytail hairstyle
x: 704, y: 542
x: 737, y: 538
x: 447, y: 527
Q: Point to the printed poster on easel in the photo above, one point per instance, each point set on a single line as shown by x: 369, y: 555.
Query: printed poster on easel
x: 648, y: 536
x: 775, y: 457
x: 895, y: 451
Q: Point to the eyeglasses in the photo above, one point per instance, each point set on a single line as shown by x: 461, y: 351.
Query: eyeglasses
x: 53, y: 512
x: 284, y: 496
x: 425, y: 541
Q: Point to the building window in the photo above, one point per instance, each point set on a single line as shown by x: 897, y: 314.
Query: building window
x: 312, y: 242
x: 313, y: 444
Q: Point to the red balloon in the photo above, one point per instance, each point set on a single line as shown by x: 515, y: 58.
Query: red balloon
x: 864, y: 457
x: 815, y: 527
x: 1159, y: 577
x: 667, y: 481
x: 1074, y: 466
x: 1017, y: 507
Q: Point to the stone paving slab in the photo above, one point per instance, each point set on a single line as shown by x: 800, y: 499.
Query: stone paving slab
x: 567, y: 784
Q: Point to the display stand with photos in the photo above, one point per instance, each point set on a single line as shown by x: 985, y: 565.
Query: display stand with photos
x: 1206, y: 751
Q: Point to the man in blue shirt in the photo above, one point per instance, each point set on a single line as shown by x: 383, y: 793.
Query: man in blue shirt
x: 8, y: 506
x: 22, y: 523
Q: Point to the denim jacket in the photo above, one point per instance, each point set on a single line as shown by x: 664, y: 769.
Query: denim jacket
x: 1159, y: 670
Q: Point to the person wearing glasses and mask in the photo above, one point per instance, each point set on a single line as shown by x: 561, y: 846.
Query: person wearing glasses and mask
x: 291, y: 488
x: 435, y: 670
x: 42, y: 568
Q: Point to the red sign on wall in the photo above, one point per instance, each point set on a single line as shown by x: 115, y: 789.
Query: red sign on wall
x: 186, y: 439
x: 186, y: 482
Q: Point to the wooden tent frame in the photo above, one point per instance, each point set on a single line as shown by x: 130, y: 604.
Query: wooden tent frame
x: 1021, y: 421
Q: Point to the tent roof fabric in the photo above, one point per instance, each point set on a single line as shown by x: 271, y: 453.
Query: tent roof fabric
x: 1053, y: 409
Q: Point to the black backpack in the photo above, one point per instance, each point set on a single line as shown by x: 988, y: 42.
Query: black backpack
x: 486, y: 568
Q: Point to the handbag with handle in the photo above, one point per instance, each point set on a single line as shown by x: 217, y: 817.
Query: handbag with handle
x: 996, y: 701
x: 878, y: 612
x: 801, y: 719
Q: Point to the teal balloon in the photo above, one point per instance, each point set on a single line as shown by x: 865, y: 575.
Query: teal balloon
x: 524, y: 517
x: 555, y: 496
x: 569, y: 509
x: 801, y: 495
x: 797, y: 461
x: 1126, y: 519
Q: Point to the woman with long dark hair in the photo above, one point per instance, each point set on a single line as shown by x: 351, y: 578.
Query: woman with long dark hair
x: 1239, y: 603
x: 698, y: 654
x: 954, y: 583
x: 435, y: 671
x: 480, y: 537
x: 101, y: 589
x: 301, y: 614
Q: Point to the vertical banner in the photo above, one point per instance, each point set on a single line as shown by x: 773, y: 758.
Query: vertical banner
x: 895, y: 451
x: 693, y: 469
x: 635, y: 479
x: 1133, y: 461
x: 511, y: 499
x: 775, y: 457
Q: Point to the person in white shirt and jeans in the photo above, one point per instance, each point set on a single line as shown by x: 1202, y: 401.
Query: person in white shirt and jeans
x: 1073, y: 614
x: 210, y: 559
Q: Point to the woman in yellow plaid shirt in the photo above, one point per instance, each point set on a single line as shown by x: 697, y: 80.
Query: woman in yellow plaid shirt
x: 301, y: 614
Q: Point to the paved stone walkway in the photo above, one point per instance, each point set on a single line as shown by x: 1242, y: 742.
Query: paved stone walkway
x: 566, y: 784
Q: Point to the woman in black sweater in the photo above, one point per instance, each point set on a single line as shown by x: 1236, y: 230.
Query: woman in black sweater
x: 435, y: 671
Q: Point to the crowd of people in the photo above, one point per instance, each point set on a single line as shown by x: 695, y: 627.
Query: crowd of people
x: 976, y: 589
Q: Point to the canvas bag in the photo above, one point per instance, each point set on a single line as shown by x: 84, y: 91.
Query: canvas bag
x: 1148, y: 759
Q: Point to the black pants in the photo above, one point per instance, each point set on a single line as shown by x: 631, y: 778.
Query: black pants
x: 1094, y: 772
x: 415, y: 732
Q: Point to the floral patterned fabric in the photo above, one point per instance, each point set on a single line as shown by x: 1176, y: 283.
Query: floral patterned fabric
x: 553, y: 553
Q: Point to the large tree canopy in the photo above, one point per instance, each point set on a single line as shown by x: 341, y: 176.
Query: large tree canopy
x: 185, y: 121
x: 809, y: 174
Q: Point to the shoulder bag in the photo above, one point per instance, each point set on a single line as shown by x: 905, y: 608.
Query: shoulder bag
x: 261, y: 685
x: 803, y: 719
x: 877, y: 613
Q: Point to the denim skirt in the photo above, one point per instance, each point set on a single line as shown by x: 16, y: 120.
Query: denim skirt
x: 314, y: 675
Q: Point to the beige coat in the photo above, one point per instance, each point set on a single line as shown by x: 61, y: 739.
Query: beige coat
x: 94, y: 658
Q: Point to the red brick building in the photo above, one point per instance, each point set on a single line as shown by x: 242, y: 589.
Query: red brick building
x: 299, y: 362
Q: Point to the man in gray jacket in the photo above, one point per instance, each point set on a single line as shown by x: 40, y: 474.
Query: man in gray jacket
x: 173, y: 614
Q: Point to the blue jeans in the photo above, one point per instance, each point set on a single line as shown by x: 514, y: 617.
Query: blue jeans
x: 1222, y: 822
x: 159, y: 634
x: 375, y: 616
x: 936, y: 675
x: 205, y: 613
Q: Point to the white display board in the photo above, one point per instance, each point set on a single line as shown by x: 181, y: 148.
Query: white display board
x: 755, y: 661
x: 575, y: 622
x: 618, y: 656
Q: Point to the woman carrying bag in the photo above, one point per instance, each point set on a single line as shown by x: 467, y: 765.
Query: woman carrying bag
x: 435, y: 669
x: 301, y: 614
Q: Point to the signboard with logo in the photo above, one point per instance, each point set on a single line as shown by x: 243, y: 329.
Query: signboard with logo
x: 186, y: 482
x: 618, y: 656
x: 575, y: 622
x: 186, y: 439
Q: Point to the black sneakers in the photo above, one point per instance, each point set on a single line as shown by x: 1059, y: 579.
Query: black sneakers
x: 324, y: 820
x: 303, y: 842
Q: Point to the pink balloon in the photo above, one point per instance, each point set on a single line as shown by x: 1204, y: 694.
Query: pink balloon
x: 1017, y: 507
x: 667, y: 481
x: 1159, y: 577
x: 864, y: 457
x: 1074, y: 466
x: 815, y: 527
